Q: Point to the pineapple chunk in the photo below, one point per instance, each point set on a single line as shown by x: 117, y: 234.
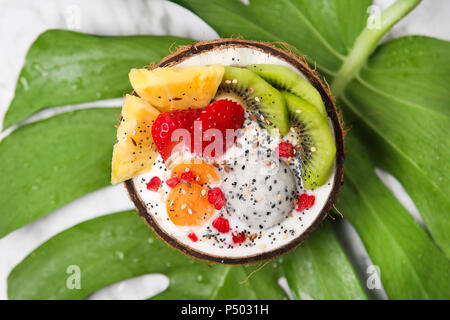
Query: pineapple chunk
x: 134, y: 151
x: 174, y: 89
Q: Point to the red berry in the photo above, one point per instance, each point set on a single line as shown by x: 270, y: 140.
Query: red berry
x: 216, y: 197
x: 305, y: 201
x: 238, y: 237
x: 166, y: 123
x: 172, y: 182
x: 285, y: 149
x: 221, y: 224
x: 154, y: 184
x: 193, y: 236
x: 222, y: 115
x: 187, y: 175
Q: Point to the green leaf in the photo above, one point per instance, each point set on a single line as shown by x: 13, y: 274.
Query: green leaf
x: 128, y: 248
x: 401, y: 97
x: 411, y: 266
x: 323, y: 30
x: 367, y: 42
x: 65, y: 67
x: 230, y: 282
x: 49, y: 163
x: 120, y: 246
x: 319, y: 269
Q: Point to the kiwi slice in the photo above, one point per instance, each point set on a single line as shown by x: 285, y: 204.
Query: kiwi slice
x: 317, y: 148
x: 260, y: 99
x: 284, y: 78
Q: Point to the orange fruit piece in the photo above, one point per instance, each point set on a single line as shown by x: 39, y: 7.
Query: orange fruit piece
x: 203, y: 173
x: 187, y: 204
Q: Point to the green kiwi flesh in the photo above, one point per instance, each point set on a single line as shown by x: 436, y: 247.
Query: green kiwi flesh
x: 261, y: 99
x: 284, y: 78
x: 317, y: 147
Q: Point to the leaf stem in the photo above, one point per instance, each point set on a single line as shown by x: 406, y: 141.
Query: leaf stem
x: 367, y: 41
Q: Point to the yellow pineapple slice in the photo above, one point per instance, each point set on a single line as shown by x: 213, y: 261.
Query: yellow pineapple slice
x: 134, y: 151
x: 174, y: 89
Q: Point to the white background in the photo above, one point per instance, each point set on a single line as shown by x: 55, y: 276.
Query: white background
x: 22, y: 21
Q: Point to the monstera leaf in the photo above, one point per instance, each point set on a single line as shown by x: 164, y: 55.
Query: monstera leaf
x: 128, y: 248
x: 402, y: 101
x: 411, y: 266
x: 46, y: 164
x: 64, y: 67
x: 120, y: 246
x: 397, y: 108
x: 398, y: 94
x: 394, y: 99
x: 323, y: 30
x: 319, y: 269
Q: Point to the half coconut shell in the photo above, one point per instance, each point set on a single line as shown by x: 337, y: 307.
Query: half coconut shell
x: 298, y: 63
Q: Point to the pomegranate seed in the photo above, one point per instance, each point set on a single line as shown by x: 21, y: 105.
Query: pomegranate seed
x: 305, y: 201
x: 188, y: 176
x: 216, y: 197
x: 238, y: 237
x: 285, y: 149
x: 172, y: 182
x: 154, y: 184
x: 193, y: 236
x: 221, y: 224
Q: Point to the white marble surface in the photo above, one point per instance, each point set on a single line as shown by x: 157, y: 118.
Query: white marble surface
x: 21, y: 22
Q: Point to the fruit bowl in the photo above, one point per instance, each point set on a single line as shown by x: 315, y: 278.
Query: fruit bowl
x: 292, y: 108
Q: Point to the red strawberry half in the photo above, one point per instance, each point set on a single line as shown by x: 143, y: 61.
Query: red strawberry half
x: 166, y: 123
x: 222, y: 115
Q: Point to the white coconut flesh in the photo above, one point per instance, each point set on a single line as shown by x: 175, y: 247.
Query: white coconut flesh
x: 274, y: 230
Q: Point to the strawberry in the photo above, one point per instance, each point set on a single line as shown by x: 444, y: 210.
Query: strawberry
x: 222, y: 115
x: 172, y: 182
x: 193, y: 236
x: 166, y: 123
x: 188, y: 176
x: 305, y: 201
x: 221, y: 224
x: 238, y: 237
x: 216, y: 197
x: 285, y: 149
x: 154, y: 184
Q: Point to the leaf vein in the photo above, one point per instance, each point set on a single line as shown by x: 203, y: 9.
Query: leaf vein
x: 393, y: 145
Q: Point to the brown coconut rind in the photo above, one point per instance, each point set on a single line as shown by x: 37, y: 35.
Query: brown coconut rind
x: 298, y: 62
